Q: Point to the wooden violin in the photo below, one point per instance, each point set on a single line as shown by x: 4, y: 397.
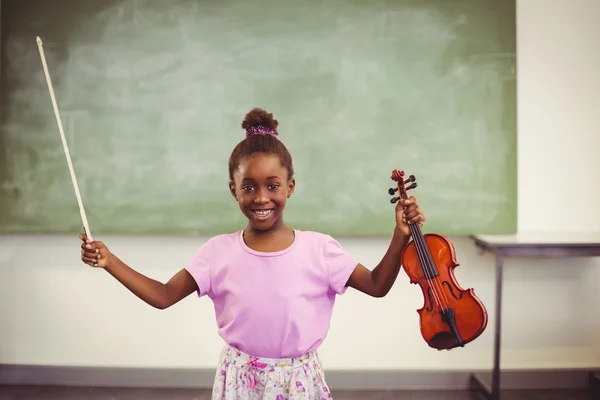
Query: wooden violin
x: 451, y: 316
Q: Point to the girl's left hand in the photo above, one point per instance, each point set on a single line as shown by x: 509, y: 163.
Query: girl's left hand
x: 408, y: 212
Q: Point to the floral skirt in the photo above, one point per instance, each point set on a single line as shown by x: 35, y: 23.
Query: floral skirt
x: 243, y: 377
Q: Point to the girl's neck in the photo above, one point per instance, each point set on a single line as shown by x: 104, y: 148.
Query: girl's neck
x: 275, y: 239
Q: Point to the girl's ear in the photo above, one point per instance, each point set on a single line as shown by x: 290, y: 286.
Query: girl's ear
x: 232, y: 190
x: 291, y: 186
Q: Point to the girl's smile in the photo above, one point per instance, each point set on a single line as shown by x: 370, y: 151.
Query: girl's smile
x: 263, y: 214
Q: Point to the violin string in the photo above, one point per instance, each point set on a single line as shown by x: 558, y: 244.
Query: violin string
x: 434, y: 291
x: 432, y: 267
x: 426, y: 270
x: 428, y: 266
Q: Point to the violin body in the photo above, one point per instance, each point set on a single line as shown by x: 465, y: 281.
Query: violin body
x: 451, y: 316
x: 469, y: 313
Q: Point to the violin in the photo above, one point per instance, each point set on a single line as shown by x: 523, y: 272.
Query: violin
x: 451, y: 316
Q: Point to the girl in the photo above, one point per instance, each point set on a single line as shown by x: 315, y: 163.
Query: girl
x: 273, y: 287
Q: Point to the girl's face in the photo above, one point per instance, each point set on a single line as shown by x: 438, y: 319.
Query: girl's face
x: 261, y: 188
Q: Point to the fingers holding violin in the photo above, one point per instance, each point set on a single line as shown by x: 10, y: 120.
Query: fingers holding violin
x: 419, y: 218
x: 413, y: 216
x: 412, y: 212
x: 407, y: 202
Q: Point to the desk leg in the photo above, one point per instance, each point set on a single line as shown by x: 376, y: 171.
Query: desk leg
x: 498, y: 328
x: 477, y: 383
x: 595, y: 385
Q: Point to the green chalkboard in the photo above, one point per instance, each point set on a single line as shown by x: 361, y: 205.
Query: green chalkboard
x: 152, y: 94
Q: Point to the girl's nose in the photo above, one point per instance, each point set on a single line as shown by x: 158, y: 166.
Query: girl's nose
x: 261, y: 197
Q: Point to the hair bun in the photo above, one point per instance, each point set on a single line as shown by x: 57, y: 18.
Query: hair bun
x: 257, y: 117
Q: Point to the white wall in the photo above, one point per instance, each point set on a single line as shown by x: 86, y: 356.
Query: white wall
x: 54, y: 310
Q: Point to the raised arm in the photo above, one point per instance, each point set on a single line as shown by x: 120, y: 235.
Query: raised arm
x: 379, y: 281
x: 157, y: 294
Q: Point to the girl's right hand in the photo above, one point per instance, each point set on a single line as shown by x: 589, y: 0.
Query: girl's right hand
x: 94, y: 254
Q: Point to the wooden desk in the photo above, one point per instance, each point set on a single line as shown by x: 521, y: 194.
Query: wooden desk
x: 528, y: 245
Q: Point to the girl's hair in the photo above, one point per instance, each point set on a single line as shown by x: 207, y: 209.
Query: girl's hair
x: 261, y: 137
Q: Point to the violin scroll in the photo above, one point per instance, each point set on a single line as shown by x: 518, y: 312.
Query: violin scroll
x: 402, y: 189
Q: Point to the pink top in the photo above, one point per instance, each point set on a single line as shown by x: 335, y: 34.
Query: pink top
x: 272, y: 305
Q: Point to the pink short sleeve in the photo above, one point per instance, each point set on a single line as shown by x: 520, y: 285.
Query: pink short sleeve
x: 200, y: 269
x: 340, y: 265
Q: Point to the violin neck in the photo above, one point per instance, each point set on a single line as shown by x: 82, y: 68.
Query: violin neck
x: 427, y: 263
x: 415, y: 230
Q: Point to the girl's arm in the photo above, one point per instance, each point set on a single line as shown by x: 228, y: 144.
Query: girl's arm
x: 157, y: 294
x: 377, y: 283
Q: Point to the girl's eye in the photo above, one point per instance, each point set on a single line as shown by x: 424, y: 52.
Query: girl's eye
x: 247, y: 188
x: 273, y: 186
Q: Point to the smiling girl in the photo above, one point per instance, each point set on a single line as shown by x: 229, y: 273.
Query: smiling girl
x: 273, y: 287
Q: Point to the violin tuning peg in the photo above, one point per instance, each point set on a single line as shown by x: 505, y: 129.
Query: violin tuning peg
x: 394, y: 200
x: 411, y: 186
x: 391, y: 191
x: 410, y: 179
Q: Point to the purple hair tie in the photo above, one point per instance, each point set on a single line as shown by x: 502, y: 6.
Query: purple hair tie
x: 260, y: 130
